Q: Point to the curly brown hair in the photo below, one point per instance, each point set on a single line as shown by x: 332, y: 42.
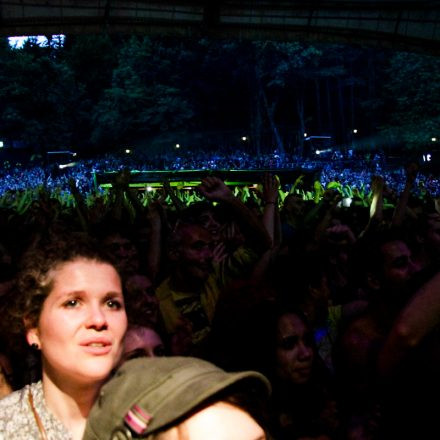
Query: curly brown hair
x: 34, y: 280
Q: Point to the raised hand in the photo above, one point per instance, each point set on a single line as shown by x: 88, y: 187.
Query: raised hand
x: 377, y: 184
x: 219, y: 253
x: 214, y: 188
x: 270, y: 188
x: 411, y: 171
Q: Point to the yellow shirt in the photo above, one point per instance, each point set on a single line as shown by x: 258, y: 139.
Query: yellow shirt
x: 198, y: 308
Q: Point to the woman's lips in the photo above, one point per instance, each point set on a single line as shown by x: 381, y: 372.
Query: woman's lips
x: 98, y: 346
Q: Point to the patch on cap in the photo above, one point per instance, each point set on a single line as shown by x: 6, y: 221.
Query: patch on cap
x: 137, y: 419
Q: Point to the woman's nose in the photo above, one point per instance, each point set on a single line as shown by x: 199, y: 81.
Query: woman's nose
x: 96, y: 318
x: 305, y: 352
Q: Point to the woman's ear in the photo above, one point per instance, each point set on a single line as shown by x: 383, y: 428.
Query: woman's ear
x: 32, y: 334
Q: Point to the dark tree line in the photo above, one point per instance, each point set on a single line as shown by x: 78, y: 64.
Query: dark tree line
x: 100, y: 92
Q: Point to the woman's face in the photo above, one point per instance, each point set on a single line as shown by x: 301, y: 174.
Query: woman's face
x: 82, y: 323
x: 142, y: 341
x: 294, y: 353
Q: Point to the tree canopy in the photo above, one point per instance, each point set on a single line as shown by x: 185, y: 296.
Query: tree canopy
x: 100, y: 92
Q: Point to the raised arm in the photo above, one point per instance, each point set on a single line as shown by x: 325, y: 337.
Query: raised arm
x: 401, y: 207
x: 419, y: 317
x: 155, y: 235
x: 269, y: 197
x: 215, y: 189
x: 178, y: 204
x: 376, y: 206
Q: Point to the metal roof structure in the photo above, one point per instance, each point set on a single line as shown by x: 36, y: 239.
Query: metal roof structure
x: 399, y: 24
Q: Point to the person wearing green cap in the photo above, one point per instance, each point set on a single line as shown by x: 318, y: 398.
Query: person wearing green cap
x: 179, y: 398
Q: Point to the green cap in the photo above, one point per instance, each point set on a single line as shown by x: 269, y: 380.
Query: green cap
x: 149, y: 394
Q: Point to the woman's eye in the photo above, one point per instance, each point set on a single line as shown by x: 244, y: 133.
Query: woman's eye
x: 71, y: 303
x: 114, y: 304
x: 288, y: 343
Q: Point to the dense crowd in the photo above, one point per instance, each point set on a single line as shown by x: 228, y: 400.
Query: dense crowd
x: 330, y: 290
x: 349, y: 172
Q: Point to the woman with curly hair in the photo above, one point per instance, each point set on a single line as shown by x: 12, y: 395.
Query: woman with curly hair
x: 69, y: 309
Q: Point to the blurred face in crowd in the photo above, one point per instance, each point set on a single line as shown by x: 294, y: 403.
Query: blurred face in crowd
x: 142, y: 341
x: 122, y: 252
x: 294, y: 352
x: 82, y: 324
x: 208, y: 220
x: 140, y: 294
x: 398, y: 267
x: 195, y: 252
x: 219, y: 421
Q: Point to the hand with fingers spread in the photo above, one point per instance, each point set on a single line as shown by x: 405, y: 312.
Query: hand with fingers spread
x: 219, y: 253
x: 214, y: 188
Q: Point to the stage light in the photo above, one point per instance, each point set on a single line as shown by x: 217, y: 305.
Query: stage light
x: 149, y: 188
x: 305, y: 135
x: 177, y: 145
x: 66, y: 165
x: 128, y: 151
x: 434, y: 139
x: 1, y: 144
x: 318, y: 152
x: 355, y: 130
x: 244, y: 138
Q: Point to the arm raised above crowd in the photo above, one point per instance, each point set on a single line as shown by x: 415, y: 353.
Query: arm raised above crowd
x: 271, y: 218
x: 215, y: 189
x: 402, y: 205
x: 376, y: 206
x: 419, y: 317
x: 178, y: 204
